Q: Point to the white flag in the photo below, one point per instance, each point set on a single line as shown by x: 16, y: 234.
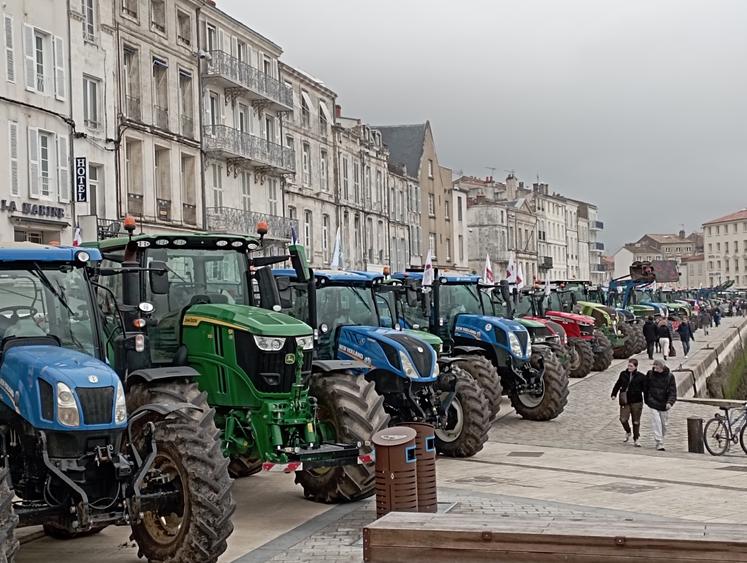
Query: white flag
x: 78, y: 236
x: 336, y: 263
x: 511, y: 270
x: 428, y: 270
x: 487, y: 275
x: 547, y: 287
x: 520, y: 278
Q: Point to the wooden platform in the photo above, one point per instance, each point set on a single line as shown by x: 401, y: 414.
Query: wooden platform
x: 415, y: 538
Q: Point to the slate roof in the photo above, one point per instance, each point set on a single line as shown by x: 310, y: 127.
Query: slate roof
x: 405, y: 143
x: 738, y: 216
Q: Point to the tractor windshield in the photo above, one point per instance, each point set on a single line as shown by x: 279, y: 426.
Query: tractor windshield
x: 47, y: 302
x: 643, y: 296
x: 459, y: 298
x: 523, y: 307
x: 338, y: 305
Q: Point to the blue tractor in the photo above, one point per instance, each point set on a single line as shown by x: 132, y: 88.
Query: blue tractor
x: 404, y: 368
x: 83, y: 448
x: 455, y: 309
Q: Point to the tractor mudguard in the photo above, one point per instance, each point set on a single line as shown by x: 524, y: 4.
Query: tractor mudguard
x: 149, y: 375
x: 469, y: 350
x: 327, y: 366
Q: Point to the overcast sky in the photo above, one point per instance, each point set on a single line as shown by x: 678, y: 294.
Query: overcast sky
x: 639, y: 106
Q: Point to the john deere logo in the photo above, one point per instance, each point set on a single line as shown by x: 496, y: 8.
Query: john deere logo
x: 290, y: 359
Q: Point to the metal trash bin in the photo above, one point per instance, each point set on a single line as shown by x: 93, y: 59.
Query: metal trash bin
x: 425, y: 452
x: 695, y: 436
x: 396, y: 470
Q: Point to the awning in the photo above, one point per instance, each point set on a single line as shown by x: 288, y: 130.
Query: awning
x: 325, y: 111
x: 306, y: 99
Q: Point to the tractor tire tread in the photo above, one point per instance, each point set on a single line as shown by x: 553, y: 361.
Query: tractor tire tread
x: 474, y: 405
x: 8, y: 520
x: 603, y: 360
x: 556, y: 390
x: 586, y: 357
x: 486, y: 375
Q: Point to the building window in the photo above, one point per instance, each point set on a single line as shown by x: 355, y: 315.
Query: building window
x: 306, y: 164
x: 189, y: 197
x: 380, y: 187
x: 357, y: 181
x: 129, y: 7
x: 162, y: 177
x: 160, y: 93
x: 369, y: 238
x: 367, y: 185
x: 447, y: 212
x: 430, y: 168
x: 213, y: 112
x: 448, y: 249
x: 431, y: 205
x: 91, y: 102
x: 380, y: 241
x: 183, y: 28
x: 323, y: 170
x: 307, y: 234
x: 158, y: 15
x: 345, y: 179
x: 273, y: 195
x: 246, y: 198
x: 89, y: 23
x: 186, y: 104
x: 461, y: 248
x: 325, y: 238
x: 131, y: 59
x: 459, y: 208
x: 46, y: 142
x: 432, y: 244
x: 289, y: 142
x: 217, y: 184
x: 305, y: 110
x: 211, y: 38
x: 15, y: 189
x: 96, y: 196
x: 134, y: 176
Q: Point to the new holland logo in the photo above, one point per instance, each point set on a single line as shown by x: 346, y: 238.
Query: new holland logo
x: 93, y: 379
x: 290, y: 359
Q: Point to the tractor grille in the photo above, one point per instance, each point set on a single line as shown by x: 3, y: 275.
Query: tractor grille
x: 423, y: 360
x: 268, y: 370
x: 587, y: 330
x: 523, y: 339
x: 47, y: 399
x: 97, y: 404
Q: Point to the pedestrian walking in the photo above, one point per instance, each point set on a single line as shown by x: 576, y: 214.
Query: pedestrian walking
x: 660, y: 394
x: 705, y: 320
x: 649, y: 334
x: 744, y: 307
x: 717, y: 316
x: 629, y: 391
x: 685, y: 331
x: 665, y: 337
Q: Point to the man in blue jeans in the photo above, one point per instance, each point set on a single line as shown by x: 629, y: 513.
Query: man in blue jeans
x: 685, y: 331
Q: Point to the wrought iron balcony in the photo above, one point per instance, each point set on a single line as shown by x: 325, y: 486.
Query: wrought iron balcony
x: 239, y: 221
x: 227, y: 142
x: 255, y: 83
x: 596, y: 225
x: 597, y: 247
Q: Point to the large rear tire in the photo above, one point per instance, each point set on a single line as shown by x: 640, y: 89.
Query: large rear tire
x: 8, y: 520
x: 189, y: 454
x: 350, y: 407
x: 583, y: 355
x: 603, y: 356
x: 244, y: 466
x: 640, y: 340
x: 554, y: 398
x: 628, y: 348
x: 486, y: 375
x: 468, y: 419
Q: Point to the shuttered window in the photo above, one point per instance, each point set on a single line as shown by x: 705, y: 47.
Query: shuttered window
x: 10, y: 57
x: 13, y: 158
x: 63, y: 169
x: 33, y: 162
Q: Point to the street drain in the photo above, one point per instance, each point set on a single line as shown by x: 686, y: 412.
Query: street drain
x: 623, y: 488
x: 526, y: 454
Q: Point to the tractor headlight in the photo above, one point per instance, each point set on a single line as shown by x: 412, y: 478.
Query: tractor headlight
x: 513, y: 341
x: 67, y: 407
x: 269, y: 343
x: 407, y: 366
x: 120, y: 406
x: 305, y: 342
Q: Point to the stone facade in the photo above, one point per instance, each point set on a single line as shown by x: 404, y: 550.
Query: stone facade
x: 725, y: 242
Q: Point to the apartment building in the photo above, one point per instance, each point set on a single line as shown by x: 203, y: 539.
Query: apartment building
x: 404, y: 220
x: 552, y: 229
x: 35, y: 84
x: 571, y: 240
x: 413, y: 147
x: 363, y: 166
x: 247, y: 114
x: 460, y: 236
x: 157, y: 106
x: 725, y: 241
x: 487, y: 223
x: 693, y: 272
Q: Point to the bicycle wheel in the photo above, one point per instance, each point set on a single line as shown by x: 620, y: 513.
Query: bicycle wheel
x: 742, y: 438
x: 716, y: 436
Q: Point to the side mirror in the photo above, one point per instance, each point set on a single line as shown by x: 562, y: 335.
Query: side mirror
x: 411, y: 297
x: 158, y: 277
x: 299, y: 262
x: 269, y: 295
x: 505, y: 291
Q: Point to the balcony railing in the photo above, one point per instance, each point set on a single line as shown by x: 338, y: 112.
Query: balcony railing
x: 133, y: 108
x: 161, y: 117
x: 246, y: 76
x: 596, y: 225
x: 188, y: 126
x: 597, y: 247
x: 238, y: 221
x: 235, y: 143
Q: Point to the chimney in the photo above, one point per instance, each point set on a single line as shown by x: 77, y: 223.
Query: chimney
x: 682, y: 234
x: 338, y: 110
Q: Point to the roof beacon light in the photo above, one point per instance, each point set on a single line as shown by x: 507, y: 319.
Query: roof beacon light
x: 262, y: 228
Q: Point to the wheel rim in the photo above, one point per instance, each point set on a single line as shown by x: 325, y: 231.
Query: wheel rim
x: 454, y: 423
x: 716, y: 440
x: 531, y: 400
x: 165, y: 528
x: 574, y: 358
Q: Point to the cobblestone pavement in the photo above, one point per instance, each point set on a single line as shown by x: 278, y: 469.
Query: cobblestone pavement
x: 590, y: 420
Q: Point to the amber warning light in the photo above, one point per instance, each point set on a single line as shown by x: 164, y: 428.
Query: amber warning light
x: 262, y: 228
x: 130, y: 224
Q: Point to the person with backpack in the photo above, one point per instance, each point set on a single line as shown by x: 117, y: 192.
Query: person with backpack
x: 685, y: 331
x: 665, y: 337
x: 629, y: 387
x: 659, y: 394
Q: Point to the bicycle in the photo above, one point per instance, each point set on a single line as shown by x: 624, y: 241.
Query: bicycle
x: 723, y: 430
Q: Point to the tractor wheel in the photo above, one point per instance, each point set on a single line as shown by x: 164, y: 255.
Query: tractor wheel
x: 563, y: 356
x: 467, y: 420
x: 349, y: 411
x: 243, y: 466
x: 603, y: 358
x: 189, y: 457
x: 583, y: 356
x: 640, y: 340
x: 8, y: 520
x: 486, y: 375
x: 554, y: 397
x: 626, y: 350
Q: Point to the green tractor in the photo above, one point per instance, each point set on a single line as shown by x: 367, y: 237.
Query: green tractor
x: 254, y: 365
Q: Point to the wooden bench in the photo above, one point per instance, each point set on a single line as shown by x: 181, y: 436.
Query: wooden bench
x: 415, y: 538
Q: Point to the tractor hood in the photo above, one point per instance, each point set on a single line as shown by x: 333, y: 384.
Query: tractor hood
x: 249, y: 319
x: 530, y: 323
x: 493, y: 331
x: 570, y: 317
x: 403, y: 353
x: 434, y: 341
x: 642, y: 310
x: 28, y: 382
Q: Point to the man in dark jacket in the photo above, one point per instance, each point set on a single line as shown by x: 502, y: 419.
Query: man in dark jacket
x: 649, y: 333
x: 664, y: 334
x: 685, y: 331
x: 660, y: 394
x: 630, y: 387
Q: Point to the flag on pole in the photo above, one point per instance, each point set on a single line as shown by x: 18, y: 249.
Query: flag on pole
x: 547, y: 287
x: 78, y: 236
x: 428, y: 270
x: 487, y: 275
x: 511, y: 270
x: 336, y: 263
x: 520, y: 277
x: 294, y: 235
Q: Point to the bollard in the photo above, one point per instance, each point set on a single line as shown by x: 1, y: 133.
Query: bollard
x: 425, y: 452
x: 396, y: 470
x: 695, y: 435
